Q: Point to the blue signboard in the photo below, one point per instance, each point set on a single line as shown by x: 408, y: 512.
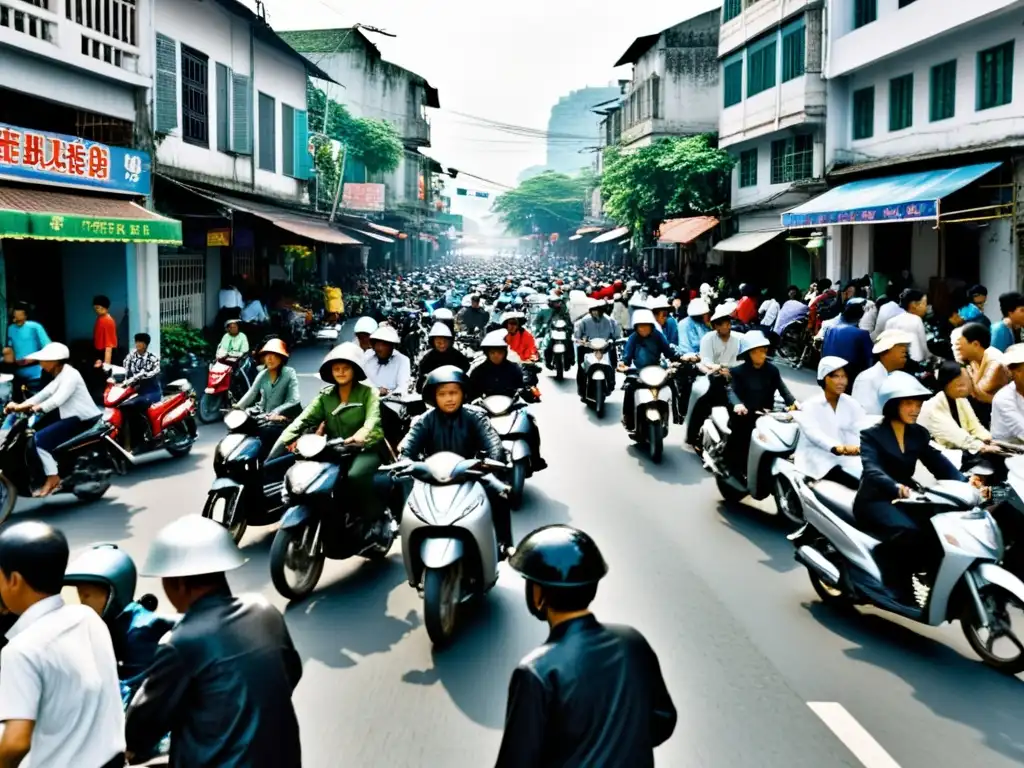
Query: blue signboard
x: 67, y: 161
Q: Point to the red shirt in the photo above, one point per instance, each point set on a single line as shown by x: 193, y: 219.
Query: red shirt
x: 104, y: 333
x: 746, y: 310
x: 608, y: 291
x: 522, y: 344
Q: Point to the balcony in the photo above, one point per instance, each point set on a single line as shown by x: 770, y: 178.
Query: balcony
x: 758, y: 16
x: 795, y: 102
x: 417, y: 132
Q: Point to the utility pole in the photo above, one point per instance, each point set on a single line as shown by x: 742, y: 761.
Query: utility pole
x: 341, y: 178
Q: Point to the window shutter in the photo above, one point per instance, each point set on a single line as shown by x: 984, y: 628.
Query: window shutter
x: 303, y: 160
x: 655, y: 97
x: 241, y: 115
x: 166, y: 102
x: 223, y: 108
x: 288, y: 140
x: 267, y: 134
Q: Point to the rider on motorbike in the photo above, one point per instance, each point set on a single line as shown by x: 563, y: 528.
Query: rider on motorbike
x: 519, y: 339
x: 952, y: 422
x: 695, y: 327
x: 142, y: 371
x: 594, y: 325
x: 388, y: 369
x: 441, y: 353
x: 472, y: 319
x: 647, y: 346
x: 448, y: 426
x: 662, y: 309
x: 364, y: 327
x: 892, y: 349
x: 233, y: 343
x: 555, y: 310
x: 275, y: 390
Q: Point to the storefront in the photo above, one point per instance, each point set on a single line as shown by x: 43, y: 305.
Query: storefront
x: 72, y: 225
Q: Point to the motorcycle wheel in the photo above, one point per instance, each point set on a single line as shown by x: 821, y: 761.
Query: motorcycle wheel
x: 441, y: 602
x: 656, y: 441
x: 728, y: 492
x: 182, y: 442
x: 559, y: 369
x: 286, y: 549
x: 232, y: 517
x: 209, y: 408
x: 599, y: 400
x: 95, y: 491
x: 8, y: 497
x: 1007, y: 630
x: 787, y: 501
x: 518, y: 484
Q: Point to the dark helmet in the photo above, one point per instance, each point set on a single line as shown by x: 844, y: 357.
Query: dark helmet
x: 446, y: 374
x: 343, y: 353
x: 109, y: 566
x: 559, y: 556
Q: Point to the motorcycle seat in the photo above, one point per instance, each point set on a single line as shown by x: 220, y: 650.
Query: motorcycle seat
x: 837, y: 498
x: 720, y: 418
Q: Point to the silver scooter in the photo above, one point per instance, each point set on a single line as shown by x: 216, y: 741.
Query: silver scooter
x: 598, y: 374
x: 511, y: 421
x: 449, y: 544
x: 969, y: 586
x: 652, y: 407
x: 559, y: 341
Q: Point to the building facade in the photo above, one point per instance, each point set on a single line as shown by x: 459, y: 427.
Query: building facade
x: 573, y: 129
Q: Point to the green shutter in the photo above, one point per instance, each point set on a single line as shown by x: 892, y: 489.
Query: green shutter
x: 731, y: 9
x: 241, y: 115
x: 762, y: 61
x: 901, y: 102
x: 732, y: 81
x: 223, y: 108
x: 267, y: 135
x: 303, y: 160
x: 166, y: 102
x: 748, y: 168
x: 287, y: 140
x: 995, y: 76
x: 864, y: 12
x: 794, y: 47
x: 942, y: 94
x: 864, y: 113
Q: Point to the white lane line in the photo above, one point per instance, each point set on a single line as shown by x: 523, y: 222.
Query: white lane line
x: 861, y: 743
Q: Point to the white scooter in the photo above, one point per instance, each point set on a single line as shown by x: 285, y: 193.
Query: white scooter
x: 969, y: 585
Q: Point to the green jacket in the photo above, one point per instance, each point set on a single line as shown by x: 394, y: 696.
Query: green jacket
x: 542, y: 323
x: 360, y: 417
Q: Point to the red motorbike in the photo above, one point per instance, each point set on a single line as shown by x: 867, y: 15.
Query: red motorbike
x: 168, y: 425
x: 227, y: 381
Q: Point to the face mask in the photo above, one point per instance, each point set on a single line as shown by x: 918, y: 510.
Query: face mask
x: 537, y: 613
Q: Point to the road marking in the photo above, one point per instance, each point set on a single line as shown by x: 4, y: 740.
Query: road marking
x: 861, y: 743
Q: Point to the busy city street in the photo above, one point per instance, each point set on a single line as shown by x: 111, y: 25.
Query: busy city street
x: 744, y: 643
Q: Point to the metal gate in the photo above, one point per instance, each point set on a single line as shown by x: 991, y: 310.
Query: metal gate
x: 182, y: 289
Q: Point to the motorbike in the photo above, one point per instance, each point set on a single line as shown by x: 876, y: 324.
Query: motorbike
x: 168, y: 425
x: 227, y: 380
x: 449, y: 544
x: 246, y: 490
x: 316, y: 525
x: 652, y: 405
x: 558, y: 339
x: 85, y: 462
x: 397, y: 412
x: 510, y: 420
x: 969, y: 585
x: 598, y: 374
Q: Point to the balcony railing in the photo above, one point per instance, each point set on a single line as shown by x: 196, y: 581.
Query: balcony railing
x: 417, y: 131
x: 29, y: 17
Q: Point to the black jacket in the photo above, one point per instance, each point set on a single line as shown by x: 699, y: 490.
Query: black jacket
x: 434, y: 360
x: 592, y: 696
x: 885, y: 466
x: 756, y: 387
x: 467, y: 432
x: 472, y: 320
x: 490, y: 379
x: 222, y: 685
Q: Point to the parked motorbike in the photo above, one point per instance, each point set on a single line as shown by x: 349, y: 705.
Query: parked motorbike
x: 168, y: 425
x: 228, y: 380
x: 510, y: 420
x: 317, y: 524
x: 969, y: 585
x: 598, y: 374
x: 652, y: 406
x: 448, y: 540
x: 558, y: 338
x: 247, y: 491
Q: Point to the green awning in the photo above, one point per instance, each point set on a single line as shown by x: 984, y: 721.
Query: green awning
x: 42, y: 214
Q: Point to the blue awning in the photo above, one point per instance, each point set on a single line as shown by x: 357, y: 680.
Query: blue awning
x: 910, y: 197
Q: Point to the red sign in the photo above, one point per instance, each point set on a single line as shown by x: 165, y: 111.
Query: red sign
x: 363, y: 197
x: 54, y: 154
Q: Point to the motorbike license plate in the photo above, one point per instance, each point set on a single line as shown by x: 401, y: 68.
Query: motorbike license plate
x: 559, y: 335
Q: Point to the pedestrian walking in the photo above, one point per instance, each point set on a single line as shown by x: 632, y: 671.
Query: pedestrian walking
x: 593, y: 694
x: 24, y: 337
x: 104, y: 332
x: 60, y: 700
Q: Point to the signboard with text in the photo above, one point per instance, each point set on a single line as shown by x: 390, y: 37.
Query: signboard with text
x: 363, y: 197
x: 51, y: 158
x: 218, y: 238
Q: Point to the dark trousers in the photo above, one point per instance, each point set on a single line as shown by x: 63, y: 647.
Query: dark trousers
x: 907, y: 546
x: 115, y: 762
x: 549, y: 354
x: 60, y: 431
x: 501, y: 509
x: 738, y: 446
x: 581, y: 378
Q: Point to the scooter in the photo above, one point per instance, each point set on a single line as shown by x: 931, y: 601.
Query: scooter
x: 558, y: 338
x: 227, y: 380
x: 85, y: 462
x: 449, y: 544
x: 510, y: 420
x: 317, y: 524
x: 598, y: 374
x: 168, y: 425
x: 969, y: 585
x: 247, y: 490
x: 652, y: 406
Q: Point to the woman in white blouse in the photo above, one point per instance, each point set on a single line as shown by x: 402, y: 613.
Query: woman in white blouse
x: 830, y: 425
x: 66, y: 394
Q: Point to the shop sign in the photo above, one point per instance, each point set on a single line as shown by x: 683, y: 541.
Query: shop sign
x: 52, y: 158
x: 363, y: 197
x: 217, y: 238
x: 48, y: 226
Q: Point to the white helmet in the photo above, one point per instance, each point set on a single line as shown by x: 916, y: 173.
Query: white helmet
x: 643, y: 317
x: 900, y: 385
x: 495, y: 340
x: 440, y: 330
x: 365, y: 325
x: 52, y: 352
x: 386, y: 334
x: 443, y: 314
x: 506, y: 316
x: 829, y: 365
x: 192, y: 545
x: 658, y: 302
x: 697, y: 308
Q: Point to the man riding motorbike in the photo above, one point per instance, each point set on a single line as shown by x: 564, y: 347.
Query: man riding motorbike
x: 669, y: 327
x: 519, y: 339
x: 594, y: 325
x: 364, y: 327
x: 555, y: 310
x: 441, y: 353
x: 695, y: 327
x: 892, y: 349
x: 647, y: 346
x: 472, y: 319
x: 233, y: 343
x: 275, y: 390
x: 388, y: 369
x: 719, y: 352
x: 448, y: 426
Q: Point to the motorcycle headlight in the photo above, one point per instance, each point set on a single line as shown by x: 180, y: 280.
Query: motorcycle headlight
x: 652, y: 376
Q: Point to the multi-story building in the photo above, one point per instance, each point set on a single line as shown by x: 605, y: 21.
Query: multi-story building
x: 772, y: 121
x: 926, y: 116
x: 573, y: 129
x: 75, y: 166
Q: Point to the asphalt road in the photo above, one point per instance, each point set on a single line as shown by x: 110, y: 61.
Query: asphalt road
x: 762, y: 674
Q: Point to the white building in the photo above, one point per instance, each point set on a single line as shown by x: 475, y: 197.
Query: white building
x: 923, y: 87
x: 772, y: 121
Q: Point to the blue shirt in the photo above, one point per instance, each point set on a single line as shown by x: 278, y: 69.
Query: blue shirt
x: 671, y: 331
x: 25, y: 340
x: 850, y: 343
x: 691, y: 331
x: 641, y: 352
x: 1003, y: 336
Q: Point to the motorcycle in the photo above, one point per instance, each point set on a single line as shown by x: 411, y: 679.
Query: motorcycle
x: 598, y: 374
x: 227, y: 380
x: 969, y: 585
x: 449, y: 544
x: 510, y: 420
x: 168, y: 425
x: 652, y: 404
x: 85, y: 462
x: 397, y: 412
x: 558, y: 339
x: 317, y: 525
x: 245, y: 491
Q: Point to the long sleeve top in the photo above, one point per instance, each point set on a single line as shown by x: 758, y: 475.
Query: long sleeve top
x: 233, y: 346
x: 822, y: 429
x: 886, y: 313
x: 914, y: 325
x: 589, y: 328
x: 359, y: 417
x: 865, y: 388
x: 280, y: 397
x: 392, y: 374
x: 68, y: 395
x: 142, y: 369
x: 691, y: 332
x: 769, y: 312
x: 715, y: 352
x: 851, y: 343
x: 1008, y: 414
x: 642, y: 351
x: 671, y: 331
x: 791, y: 312
x: 965, y: 433
x: 523, y: 344
x: 756, y: 387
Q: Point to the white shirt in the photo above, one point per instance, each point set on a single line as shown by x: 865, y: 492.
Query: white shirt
x: 870, y: 319
x: 821, y: 429
x: 1008, y: 414
x: 230, y: 298
x: 254, y: 312
x: 865, y: 388
x: 770, y: 312
x: 68, y: 394
x: 714, y: 351
x: 59, y: 671
x: 393, y: 375
x: 910, y: 323
x: 885, y: 314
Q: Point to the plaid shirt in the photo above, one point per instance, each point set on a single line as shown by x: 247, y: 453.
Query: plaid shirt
x: 141, y: 368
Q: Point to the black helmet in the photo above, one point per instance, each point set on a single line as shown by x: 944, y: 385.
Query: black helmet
x: 107, y: 565
x: 559, y: 556
x: 343, y: 353
x: 446, y: 374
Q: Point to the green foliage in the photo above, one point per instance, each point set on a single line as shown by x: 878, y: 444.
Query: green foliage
x: 375, y: 143
x: 325, y: 163
x: 671, y: 178
x: 550, y: 202
x: 176, y: 341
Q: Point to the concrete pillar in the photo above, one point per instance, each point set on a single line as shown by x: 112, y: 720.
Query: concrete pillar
x: 143, y: 275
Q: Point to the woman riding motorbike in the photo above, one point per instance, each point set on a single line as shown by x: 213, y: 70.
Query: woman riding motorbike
x: 519, y: 339
x: 441, y: 353
x: 951, y: 420
x: 275, y: 390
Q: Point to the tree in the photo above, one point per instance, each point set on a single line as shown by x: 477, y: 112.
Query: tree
x: 550, y: 202
x: 374, y: 143
x: 671, y: 178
